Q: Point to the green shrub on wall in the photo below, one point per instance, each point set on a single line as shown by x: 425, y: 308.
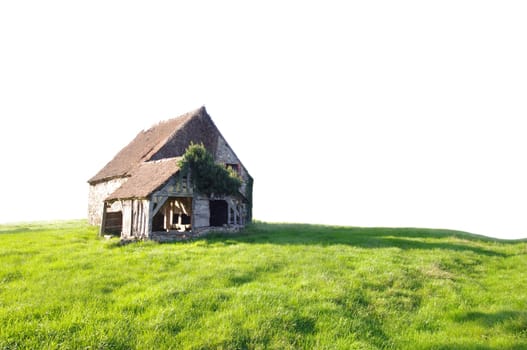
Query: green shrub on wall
x: 249, y: 196
x: 207, y: 176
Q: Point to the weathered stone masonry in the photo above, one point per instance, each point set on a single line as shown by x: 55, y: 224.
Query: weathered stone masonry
x: 96, y: 196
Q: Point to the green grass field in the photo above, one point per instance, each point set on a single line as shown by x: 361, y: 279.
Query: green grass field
x: 274, y: 286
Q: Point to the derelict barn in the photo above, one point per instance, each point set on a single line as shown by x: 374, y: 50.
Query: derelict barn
x: 142, y: 192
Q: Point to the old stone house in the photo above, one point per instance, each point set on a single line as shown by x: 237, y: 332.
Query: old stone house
x: 142, y: 194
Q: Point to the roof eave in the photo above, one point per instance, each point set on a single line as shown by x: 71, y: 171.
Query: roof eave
x: 106, y: 179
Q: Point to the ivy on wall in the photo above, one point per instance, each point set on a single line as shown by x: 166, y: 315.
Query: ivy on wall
x: 249, y: 196
x: 207, y: 176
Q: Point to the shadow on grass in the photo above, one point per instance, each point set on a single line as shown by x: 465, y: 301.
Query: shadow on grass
x: 19, y: 229
x: 476, y: 346
x: 41, y: 226
x: 364, y: 237
x: 512, y: 320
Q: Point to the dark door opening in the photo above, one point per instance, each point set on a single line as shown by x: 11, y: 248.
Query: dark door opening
x: 218, y: 213
x: 158, y: 222
x: 113, y: 223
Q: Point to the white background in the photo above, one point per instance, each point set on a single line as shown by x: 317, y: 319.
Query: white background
x: 370, y: 113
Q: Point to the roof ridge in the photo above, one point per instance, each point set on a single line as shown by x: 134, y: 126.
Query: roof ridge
x: 185, y: 117
x: 187, y: 114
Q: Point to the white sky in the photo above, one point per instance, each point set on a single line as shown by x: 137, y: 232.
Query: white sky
x: 368, y: 113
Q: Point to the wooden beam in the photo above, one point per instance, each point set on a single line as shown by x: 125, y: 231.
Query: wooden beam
x: 150, y: 218
x: 159, y: 205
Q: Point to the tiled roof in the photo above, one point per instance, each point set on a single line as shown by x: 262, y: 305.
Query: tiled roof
x: 146, y: 178
x: 143, y: 147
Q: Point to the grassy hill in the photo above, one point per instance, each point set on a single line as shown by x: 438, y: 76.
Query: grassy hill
x: 275, y: 286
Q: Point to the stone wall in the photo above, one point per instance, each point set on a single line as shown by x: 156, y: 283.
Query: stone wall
x: 175, y: 236
x: 96, y: 196
x: 224, y: 154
